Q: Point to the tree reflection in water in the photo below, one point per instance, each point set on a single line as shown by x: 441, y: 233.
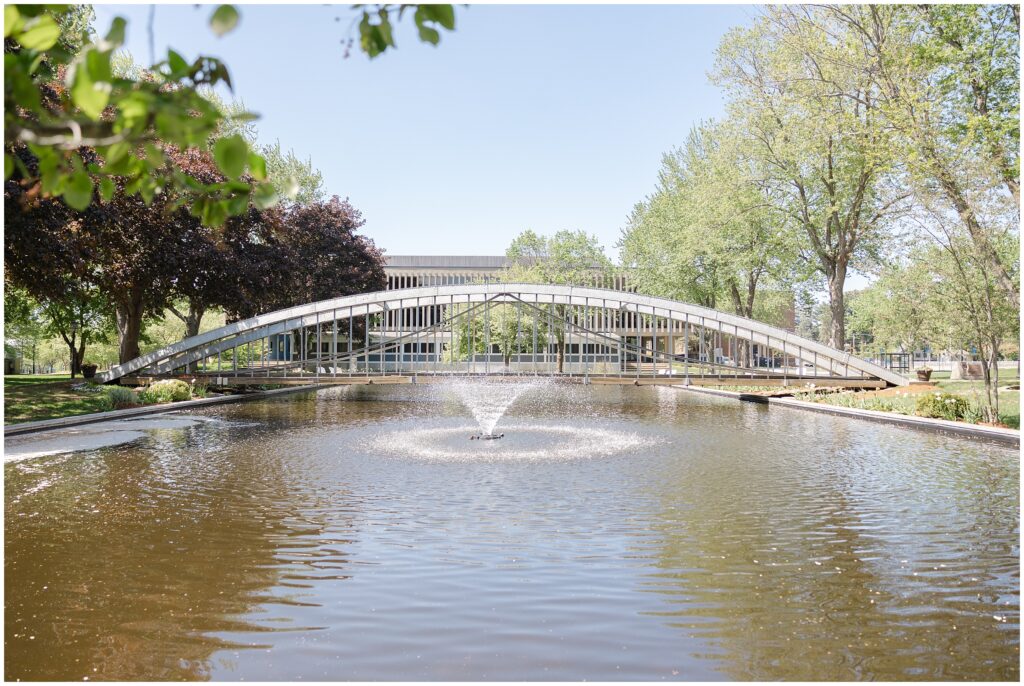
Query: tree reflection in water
x: 840, y: 568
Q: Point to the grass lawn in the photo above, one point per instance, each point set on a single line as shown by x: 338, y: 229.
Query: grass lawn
x: 28, y: 397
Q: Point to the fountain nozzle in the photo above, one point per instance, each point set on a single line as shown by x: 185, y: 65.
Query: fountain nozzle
x: 486, y: 437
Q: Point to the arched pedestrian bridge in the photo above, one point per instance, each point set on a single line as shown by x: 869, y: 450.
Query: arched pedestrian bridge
x: 591, y: 334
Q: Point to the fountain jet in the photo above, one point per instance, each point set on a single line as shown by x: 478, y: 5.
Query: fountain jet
x: 489, y: 399
x: 486, y: 437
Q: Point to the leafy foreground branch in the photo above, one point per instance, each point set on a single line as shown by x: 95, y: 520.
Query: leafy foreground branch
x: 63, y: 91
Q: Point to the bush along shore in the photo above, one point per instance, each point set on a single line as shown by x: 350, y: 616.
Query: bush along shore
x: 951, y: 401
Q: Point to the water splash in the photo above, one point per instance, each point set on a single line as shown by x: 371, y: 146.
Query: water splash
x: 489, y: 399
x: 533, y: 441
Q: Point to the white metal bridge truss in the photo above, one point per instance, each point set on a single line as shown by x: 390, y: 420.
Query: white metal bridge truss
x: 598, y: 334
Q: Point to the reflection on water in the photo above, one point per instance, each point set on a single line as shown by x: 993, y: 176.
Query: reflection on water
x: 615, y: 533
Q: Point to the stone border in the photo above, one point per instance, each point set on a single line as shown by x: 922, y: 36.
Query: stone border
x: 163, y: 408
x: 1007, y: 437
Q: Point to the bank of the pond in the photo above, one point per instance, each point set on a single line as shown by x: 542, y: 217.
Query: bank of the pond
x: 94, y: 417
x: 1009, y: 437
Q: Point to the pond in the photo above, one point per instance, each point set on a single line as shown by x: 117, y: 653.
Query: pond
x: 612, y: 533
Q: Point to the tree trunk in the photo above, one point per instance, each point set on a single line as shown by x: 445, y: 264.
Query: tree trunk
x: 72, y: 356
x: 837, y: 307
x: 192, y: 321
x: 78, y: 358
x: 75, y: 355
x: 81, y: 353
x: 128, y: 317
x: 560, y: 337
x: 992, y: 380
x: 978, y: 234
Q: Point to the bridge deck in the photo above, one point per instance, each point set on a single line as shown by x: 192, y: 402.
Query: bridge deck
x: 382, y: 379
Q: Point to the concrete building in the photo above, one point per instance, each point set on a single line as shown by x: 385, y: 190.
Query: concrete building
x: 410, y: 271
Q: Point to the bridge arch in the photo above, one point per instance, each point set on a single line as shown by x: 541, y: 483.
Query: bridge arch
x: 592, y: 332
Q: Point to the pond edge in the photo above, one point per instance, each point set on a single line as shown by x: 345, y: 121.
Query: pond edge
x: 1006, y: 437
x: 163, y: 408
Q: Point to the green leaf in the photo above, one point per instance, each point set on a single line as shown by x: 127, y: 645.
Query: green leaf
x: 264, y: 196
x: 231, y: 154
x: 8, y: 166
x: 215, y: 212
x: 88, y: 95
x: 50, y: 176
x: 429, y: 35
x: 12, y: 19
x: 78, y: 191
x: 134, y: 108
x: 224, y: 19
x: 237, y: 204
x: 442, y: 14
x: 177, y: 63
x: 115, y: 36
x: 116, y: 152
x: 147, y: 191
x: 385, y: 28
x: 154, y: 156
x: 107, y: 189
x: 257, y: 167
x: 24, y: 90
x: 98, y: 64
x: 40, y: 33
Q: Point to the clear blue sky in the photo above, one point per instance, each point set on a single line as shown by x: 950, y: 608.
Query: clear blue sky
x: 541, y: 117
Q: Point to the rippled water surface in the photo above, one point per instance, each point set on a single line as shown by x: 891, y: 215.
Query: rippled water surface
x: 614, y: 533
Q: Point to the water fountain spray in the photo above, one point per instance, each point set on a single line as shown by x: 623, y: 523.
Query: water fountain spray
x: 489, y: 399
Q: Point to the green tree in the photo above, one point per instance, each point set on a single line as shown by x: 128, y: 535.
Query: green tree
x: 816, y: 140
x: 968, y: 308
x: 709, y: 231
x: 571, y: 258
x: 24, y: 326
x: 78, y: 317
x: 293, y: 177
x: 947, y: 79
x: 511, y: 328
x: 896, y: 310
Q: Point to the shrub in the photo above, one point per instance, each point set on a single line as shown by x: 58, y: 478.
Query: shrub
x: 943, y: 406
x: 974, y: 414
x: 879, y: 404
x: 199, y: 388
x: 119, y: 398
x: 858, y: 402
x: 166, y: 391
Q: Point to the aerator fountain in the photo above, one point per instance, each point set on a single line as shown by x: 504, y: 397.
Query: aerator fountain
x: 486, y: 437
